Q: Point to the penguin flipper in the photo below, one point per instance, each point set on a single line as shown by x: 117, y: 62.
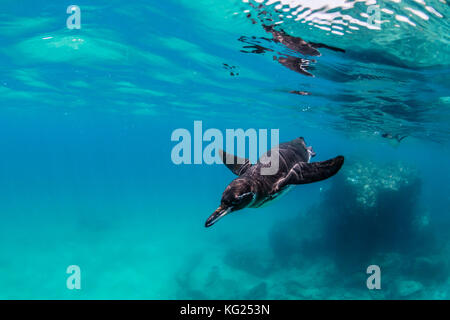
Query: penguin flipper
x: 236, y: 164
x: 400, y: 138
x: 316, y: 45
x: 304, y: 172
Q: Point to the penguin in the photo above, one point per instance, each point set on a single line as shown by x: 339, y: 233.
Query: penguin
x: 251, y: 189
x: 397, y: 137
x: 298, y: 44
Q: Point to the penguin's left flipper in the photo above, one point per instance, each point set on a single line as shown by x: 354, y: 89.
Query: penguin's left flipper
x: 236, y: 164
x: 304, y: 172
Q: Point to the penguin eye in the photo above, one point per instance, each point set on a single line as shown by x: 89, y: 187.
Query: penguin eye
x: 238, y: 199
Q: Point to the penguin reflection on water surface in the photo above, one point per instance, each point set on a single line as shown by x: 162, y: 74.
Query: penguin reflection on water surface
x: 251, y: 189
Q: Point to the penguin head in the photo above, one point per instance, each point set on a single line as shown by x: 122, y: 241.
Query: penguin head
x: 236, y: 196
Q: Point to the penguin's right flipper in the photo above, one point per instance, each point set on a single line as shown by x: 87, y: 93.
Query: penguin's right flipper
x: 400, y: 138
x: 236, y: 164
x: 304, y: 172
x: 316, y: 45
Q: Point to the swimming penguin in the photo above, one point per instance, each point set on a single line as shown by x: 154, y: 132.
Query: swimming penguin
x: 397, y: 137
x: 251, y: 189
x: 298, y: 44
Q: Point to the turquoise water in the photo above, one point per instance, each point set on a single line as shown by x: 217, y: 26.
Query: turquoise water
x: 86, y: 176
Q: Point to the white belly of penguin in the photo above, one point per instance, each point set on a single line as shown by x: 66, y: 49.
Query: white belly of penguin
x: 276, y: 196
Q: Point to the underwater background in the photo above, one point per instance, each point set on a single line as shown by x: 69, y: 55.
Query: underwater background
x: 86, y: 176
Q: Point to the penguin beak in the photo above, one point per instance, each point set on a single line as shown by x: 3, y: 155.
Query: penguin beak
x: 218, y: 214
